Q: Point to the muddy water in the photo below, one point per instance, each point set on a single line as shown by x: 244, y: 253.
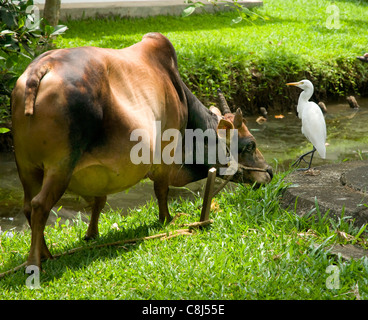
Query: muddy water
x: 11, y: 198
x: 279, y: 139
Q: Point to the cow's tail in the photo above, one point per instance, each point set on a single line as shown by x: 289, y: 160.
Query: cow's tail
x: 32, y: 85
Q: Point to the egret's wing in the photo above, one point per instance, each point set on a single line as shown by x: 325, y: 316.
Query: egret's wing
x: 314, y: 127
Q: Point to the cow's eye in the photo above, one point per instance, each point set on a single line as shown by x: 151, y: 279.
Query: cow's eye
x: 250, y: 147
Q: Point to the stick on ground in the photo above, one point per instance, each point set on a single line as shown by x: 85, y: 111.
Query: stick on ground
x: 166, y: 235
x: 208, y: 194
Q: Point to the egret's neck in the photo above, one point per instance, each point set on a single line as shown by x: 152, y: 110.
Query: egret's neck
x: 303, y: 100
x: 306, y: 95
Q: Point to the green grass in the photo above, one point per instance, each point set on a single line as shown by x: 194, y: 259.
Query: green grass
x: 253, y: 250
x: 251, y: 61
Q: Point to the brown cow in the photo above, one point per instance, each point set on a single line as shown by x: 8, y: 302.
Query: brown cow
x: 74, y: 111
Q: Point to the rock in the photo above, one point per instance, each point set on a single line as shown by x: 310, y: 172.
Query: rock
x: 352, y: 102
x: 338, y: 187
x: 263, y: 111
x: 348, y: 251
x: 323, y: 107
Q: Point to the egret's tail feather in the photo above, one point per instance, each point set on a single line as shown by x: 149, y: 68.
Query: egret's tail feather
x: 321, y: 151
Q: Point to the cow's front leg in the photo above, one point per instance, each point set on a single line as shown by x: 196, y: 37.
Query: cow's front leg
x: 161, y: 191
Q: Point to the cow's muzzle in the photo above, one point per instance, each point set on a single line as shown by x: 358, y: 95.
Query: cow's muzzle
x: 269, y: 171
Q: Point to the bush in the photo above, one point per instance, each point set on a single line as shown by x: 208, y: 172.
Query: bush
x: 22, y: 37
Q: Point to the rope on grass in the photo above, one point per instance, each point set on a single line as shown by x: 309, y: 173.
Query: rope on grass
x: 228, y: 178
x: 163, y: 236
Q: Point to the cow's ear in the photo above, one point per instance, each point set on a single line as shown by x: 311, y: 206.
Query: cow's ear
x: 226, y: 126
x: 215, y: 110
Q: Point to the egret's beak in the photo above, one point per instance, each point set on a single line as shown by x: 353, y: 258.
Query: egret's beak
x: 293, y: 84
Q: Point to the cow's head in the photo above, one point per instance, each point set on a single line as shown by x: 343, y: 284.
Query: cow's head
x: 251, y: 165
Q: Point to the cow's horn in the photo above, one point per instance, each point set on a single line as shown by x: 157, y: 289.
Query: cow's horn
x: 223, y: 104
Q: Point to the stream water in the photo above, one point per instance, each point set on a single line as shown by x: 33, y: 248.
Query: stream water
x: 279, y: 139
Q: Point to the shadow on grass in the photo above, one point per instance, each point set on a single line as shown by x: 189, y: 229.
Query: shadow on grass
x: 135, y: 228
x: 55, y: 268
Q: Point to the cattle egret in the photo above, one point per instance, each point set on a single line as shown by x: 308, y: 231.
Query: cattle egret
x: 313, y: 122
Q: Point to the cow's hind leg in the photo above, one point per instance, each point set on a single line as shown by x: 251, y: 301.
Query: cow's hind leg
x: 54, y: 185
x: 162, y: 190
x: 32, y: 182
x: 97, y: 206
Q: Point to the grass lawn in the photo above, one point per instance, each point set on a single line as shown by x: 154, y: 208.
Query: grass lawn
x: 254, y: 249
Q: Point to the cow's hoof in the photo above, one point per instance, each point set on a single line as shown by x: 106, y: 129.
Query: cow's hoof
x: 90, y: 237
x: 165, y: 220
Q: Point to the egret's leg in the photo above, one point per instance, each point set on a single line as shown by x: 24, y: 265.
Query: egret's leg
x: 310, y: 162
x: 297, y: 162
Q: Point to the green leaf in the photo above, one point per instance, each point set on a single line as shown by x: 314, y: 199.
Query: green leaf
x: 24, y: 55
x: 236, y: 20
x: 246, y: 10
x: 361, y: 230
x: 4, y: 130
x: 59, y: 29
x: 4, y: 32
x: 21, y: 22
x: 8, y: 18
x: 188, y: 11
x: 49, y: 29
x: 28, y: 49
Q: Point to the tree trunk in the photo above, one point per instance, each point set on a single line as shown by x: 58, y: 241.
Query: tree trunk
x: 51, y: 12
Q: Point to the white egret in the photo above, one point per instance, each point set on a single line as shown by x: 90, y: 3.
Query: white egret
x: 313, y: 122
